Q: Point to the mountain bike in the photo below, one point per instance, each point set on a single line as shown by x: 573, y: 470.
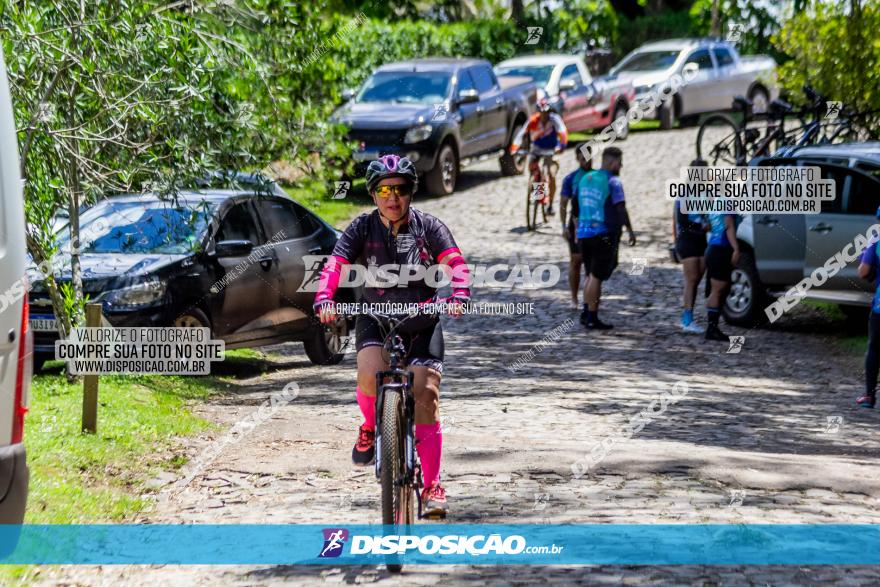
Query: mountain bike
x: 537, y: 195
x: 721, y: 140
x: 397, y: 463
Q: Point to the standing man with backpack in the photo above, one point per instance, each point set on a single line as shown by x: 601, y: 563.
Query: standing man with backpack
x: 600, y: 209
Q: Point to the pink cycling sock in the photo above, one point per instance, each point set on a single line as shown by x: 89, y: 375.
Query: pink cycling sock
x: 429, y: 444
x: 368, y: 409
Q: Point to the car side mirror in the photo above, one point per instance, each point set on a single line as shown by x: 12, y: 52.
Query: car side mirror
x: 348, y: 94
x: 236, y: 248
x: 567, y: 85
x: 468, y: 96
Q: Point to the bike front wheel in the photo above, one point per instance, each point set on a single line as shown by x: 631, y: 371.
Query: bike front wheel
x: 397, y: 494
x: 718, y: 141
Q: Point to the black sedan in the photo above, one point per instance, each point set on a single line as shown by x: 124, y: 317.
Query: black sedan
x: 230, y: 260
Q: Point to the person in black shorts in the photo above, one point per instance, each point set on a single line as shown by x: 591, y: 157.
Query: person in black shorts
x: 600, y: 206
x: 722, y: 255
x: 569, y: 222
x: 689, y: 236
x: 396, y: 234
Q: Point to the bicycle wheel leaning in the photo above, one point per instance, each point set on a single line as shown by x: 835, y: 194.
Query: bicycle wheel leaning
x: 397, y: 497
x: 718, y: 141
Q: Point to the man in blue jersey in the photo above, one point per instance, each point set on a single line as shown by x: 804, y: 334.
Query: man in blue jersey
x: 721, y: 257
x: 868, y: 265
x: 600, y: 208
x: 569, y: 222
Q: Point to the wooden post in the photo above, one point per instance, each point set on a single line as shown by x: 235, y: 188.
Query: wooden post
x: 90, y: 382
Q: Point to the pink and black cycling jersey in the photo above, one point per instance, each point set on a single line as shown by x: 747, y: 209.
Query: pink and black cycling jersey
x: 423, y: 240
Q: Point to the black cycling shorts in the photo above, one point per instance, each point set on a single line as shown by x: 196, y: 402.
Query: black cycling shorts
x: 718, y: 263
x: 424, y: 348
x: 599, y: 255
x: 689, y: 245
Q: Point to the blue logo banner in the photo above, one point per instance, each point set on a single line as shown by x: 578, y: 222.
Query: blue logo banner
x: 597, y: 544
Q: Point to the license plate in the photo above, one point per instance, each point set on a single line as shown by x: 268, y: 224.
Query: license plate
x: 43, y: 323
x: 365, y: 155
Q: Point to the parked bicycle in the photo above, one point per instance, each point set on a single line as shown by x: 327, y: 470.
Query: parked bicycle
x: 723, y: 141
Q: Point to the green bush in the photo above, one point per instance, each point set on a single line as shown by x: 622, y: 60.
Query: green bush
x: 834, y: 50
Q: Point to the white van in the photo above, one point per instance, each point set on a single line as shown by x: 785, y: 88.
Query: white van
x: 16, y: 344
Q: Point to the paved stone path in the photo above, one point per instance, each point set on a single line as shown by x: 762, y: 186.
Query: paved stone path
x: 768, y: 435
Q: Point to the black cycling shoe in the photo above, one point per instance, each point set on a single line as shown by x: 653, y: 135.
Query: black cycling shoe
x: 714, y: 333
x: 551, y: 211
x: 597, y: 324
x: 583, y: 319
x: 364, y: 450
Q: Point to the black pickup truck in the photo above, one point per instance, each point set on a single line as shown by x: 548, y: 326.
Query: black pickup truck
x: 442, y: 113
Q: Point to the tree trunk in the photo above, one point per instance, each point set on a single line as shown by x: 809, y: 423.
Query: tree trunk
x: 517, y: 11
x: 55, y: 295
x: 716, y: 24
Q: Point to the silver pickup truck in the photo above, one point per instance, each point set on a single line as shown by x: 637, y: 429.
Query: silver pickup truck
x: 779, y: 250
x: 716, y: 74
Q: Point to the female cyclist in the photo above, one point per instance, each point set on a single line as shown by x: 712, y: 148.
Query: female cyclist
x: 394, y: 233
x: 689, y: 236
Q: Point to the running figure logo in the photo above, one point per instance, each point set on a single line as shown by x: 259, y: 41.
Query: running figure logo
x: 736, y: 344
x: 734, y: 32
x: 539, y: 189
x: 833, y: 424
x: 440, y: 111
x: 334, y: 540
x: 832, y: 109
x: 342, y: 188
x: 638, y: 267
x: 313, y: 273
x: 736, y: 498
x: 535, y: 33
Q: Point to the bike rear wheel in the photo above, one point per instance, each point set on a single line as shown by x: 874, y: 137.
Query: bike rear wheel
x: 536, y: 205
x: 397, y: 497
x: 718, y: 141
x: 529, y: 222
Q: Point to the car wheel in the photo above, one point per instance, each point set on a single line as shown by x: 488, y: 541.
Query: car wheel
x: 441, y: 180
x: 192, y: 318
x: 856, y: 318
x: 40, y: 361
x: 760, y: 100
x: 511, y: 165
x: 620, y: 112
x: 326, y: 345
x: 666, y: 114
x: 747, y: 298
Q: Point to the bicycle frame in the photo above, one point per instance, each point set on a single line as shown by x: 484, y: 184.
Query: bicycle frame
x: 396, y: 379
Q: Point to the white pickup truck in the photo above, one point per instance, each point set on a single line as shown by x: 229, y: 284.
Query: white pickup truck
x: 716, y: 75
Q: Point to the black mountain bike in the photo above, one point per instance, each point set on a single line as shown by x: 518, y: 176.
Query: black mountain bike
x: 723, y: 141
x: 537, y: 199
x: 397, y: 464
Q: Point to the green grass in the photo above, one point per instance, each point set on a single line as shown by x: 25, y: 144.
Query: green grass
x: 337, y: 213
x: 87, y: 478
x: 78, y: 478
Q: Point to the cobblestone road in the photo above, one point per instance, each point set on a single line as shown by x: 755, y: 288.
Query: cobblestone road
x: 768, y: 435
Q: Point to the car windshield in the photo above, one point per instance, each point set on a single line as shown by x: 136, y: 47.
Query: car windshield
x: 539, y: 74
x: 426, y: 87
x: 648, y: 61
x: 141, y: 227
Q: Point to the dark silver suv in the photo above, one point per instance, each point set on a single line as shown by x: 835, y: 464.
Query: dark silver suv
x: 780, y: 250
